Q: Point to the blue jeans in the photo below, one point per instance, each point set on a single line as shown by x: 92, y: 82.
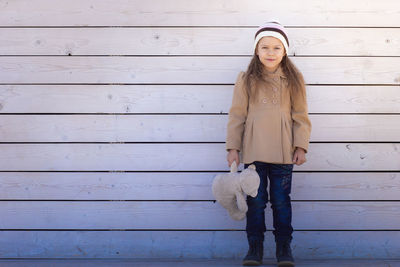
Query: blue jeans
x: 280, y: 178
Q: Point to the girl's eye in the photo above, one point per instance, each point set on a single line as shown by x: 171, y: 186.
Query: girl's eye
x: 277, y: 48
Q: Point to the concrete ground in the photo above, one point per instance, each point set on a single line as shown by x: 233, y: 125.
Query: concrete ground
x: 186, y: 263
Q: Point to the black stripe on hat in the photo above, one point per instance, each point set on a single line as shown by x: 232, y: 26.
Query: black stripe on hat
x: 274, y: 30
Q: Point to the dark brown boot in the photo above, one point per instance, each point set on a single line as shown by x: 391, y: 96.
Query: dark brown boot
x: 255, y: 255
x: 284, y: 254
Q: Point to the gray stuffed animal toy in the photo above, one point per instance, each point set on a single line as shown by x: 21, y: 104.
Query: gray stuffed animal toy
x: 229, y: 189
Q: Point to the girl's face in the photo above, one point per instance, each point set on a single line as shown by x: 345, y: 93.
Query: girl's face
x: 270, y: 51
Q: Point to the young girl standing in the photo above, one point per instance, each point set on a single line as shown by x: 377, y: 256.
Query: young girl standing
x: 269, y: 125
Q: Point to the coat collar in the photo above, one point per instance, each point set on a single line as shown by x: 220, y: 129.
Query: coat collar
x: 277, y: 73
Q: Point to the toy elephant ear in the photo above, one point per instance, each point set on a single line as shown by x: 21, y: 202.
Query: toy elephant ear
x: 234, y: 167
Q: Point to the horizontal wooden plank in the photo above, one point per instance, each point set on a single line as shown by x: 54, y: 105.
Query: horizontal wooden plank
x: 187, y: 262
x: 345, y: 186
x: 113, y: 128
x: 194, y: 41
x: 189, y: 215
x: 181, y: 128
x: 184, y: 157
x: 193, y: 244
x: 348, y: 128
x: 132, y: 99
x: 353, y: 99
x: 197, y: 70
x: 177, y: 13
x: 337, y: 157
x: 186, y: 186
x: 117, y: 98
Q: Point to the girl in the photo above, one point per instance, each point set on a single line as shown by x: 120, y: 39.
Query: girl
x: 268, y: 123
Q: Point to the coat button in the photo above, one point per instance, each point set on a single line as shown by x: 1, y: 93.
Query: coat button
x: 274, y: 101
x: 276, y: 79
x: 264, y: 100
x: 275, y: 89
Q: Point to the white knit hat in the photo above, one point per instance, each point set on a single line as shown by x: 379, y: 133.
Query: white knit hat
x: 275, y: 29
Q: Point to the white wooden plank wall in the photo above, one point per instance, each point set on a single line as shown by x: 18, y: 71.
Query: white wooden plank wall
x: 113, y: 118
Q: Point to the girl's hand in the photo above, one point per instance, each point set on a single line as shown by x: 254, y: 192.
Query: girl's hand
x: 233, y: 155
x: 299, y: 156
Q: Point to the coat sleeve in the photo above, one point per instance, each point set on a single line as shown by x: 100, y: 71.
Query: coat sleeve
x: 301, y: 121
x: 237, y: 115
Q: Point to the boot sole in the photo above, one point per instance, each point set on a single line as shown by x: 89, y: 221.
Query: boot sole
x: 252, y: 263
x: 286, y: 264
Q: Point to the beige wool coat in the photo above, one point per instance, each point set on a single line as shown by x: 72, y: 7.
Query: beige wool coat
x: 271, y: 127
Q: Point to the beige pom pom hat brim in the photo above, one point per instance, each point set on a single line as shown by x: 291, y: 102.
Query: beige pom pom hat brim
x: 273, y: 29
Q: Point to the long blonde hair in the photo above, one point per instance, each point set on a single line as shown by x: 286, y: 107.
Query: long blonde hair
x: 254, y: 74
